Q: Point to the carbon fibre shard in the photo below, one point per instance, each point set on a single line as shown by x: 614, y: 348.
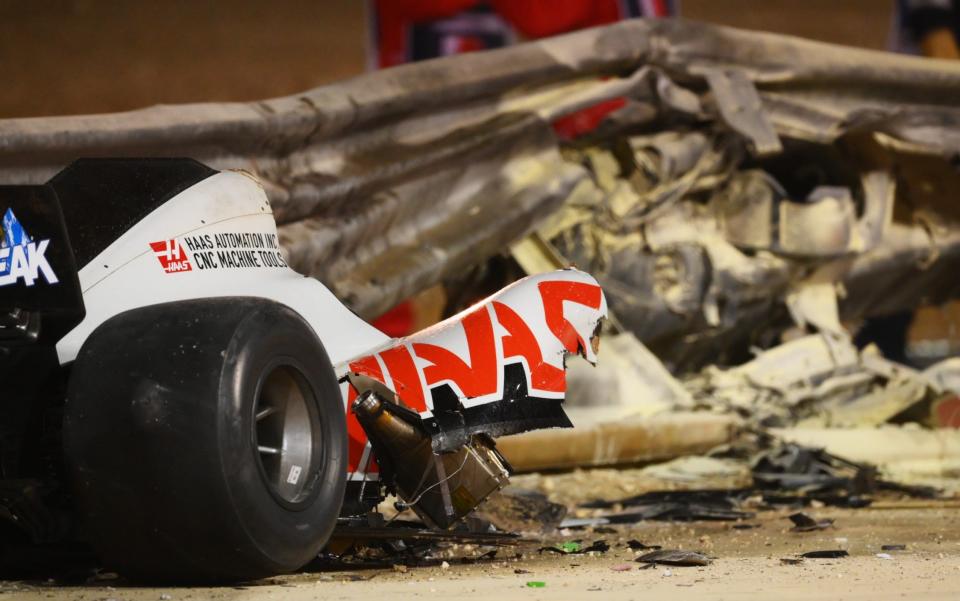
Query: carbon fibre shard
x: 453, y: 425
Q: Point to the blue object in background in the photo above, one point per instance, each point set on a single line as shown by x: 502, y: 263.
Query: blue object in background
x: 13, y: 235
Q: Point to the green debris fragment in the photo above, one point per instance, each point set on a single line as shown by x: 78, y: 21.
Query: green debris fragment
x: 536, y: 584
x: 570, y: 547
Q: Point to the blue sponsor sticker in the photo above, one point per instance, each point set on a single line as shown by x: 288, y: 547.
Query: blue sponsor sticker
x: 21, y: 258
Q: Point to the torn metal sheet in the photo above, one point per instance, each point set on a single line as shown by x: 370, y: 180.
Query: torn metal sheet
x: 820, y: 379
x: 821, y: 227
x: 814, y: 303
x: 499, y: 195
x: 741, y: 108
x: 726, y: 252
x: 745, y: 208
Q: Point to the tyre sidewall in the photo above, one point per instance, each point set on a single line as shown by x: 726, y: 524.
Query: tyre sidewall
x: 264, y: 341
x: 158, y: 436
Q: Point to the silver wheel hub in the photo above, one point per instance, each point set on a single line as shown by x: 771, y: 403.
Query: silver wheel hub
x: 283, y: 432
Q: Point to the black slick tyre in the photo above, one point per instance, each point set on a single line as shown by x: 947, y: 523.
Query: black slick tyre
x: 206, y: 441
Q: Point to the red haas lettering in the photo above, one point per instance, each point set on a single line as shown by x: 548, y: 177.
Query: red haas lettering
x: 479, y: 378
x: 171, y: 255
x: 554, y: 294
x: 520, y: 342
x: 533, y: 323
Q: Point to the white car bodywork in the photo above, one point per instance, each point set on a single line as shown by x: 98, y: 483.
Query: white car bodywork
x: 218, y: 238
x: 129, y: 273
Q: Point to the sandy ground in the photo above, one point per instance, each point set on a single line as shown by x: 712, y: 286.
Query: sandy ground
x: 747, y: 566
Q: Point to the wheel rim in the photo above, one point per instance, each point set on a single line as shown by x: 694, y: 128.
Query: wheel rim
x: 285, y: 434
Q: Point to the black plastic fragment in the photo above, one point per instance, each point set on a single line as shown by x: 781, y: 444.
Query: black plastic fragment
x: 804, y: 523
x: 673, y: 557
x: 828, y: 554
x: 599, y: 546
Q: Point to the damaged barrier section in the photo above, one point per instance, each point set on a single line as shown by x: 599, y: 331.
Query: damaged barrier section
x: 743, y: 232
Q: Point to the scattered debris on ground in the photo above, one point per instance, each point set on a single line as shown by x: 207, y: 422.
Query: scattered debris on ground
x: 672, y: 557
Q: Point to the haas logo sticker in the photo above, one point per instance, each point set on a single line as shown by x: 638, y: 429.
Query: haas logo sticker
x: 171, y: 255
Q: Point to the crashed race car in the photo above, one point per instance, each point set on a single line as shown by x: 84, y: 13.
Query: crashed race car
x: 220, y: 411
